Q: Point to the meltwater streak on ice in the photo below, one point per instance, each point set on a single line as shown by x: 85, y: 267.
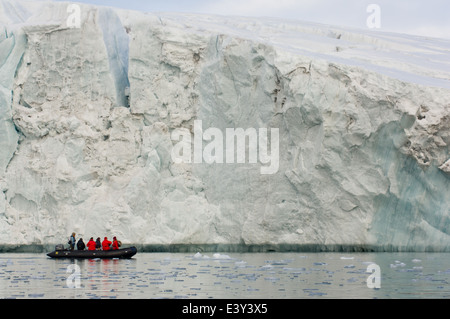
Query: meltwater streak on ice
x: 227, y: 276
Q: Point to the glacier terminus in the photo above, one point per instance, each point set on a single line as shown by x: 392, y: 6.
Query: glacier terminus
x: 94, y: 102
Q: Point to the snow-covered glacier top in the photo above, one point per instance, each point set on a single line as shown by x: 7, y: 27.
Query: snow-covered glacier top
x: 89, y: 108
x: 410, y: 58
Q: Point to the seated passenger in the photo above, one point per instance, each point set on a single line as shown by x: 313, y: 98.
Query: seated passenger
x: 115, y: 244
x: 91, y: 244
x: 106, y: 243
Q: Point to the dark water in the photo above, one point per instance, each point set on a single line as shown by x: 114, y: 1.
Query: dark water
x: 228, y: 276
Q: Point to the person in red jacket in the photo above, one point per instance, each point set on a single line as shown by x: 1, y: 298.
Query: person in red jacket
x: 115, y: 244
x: 106, y: 243
x: 91, y: 244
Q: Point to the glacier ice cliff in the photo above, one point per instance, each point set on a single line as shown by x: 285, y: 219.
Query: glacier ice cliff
x: 86, y: 116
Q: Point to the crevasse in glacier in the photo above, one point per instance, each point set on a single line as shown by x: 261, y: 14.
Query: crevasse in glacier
x: 87, y: 116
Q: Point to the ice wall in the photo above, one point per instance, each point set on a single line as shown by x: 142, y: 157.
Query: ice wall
x: 87, y: 115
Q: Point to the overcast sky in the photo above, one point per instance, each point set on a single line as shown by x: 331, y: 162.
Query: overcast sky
x: 421, y: 17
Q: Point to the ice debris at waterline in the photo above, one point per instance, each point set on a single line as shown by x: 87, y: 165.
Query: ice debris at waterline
x: 87, y: 111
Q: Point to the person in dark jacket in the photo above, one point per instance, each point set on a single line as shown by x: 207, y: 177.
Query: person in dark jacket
x: 81, y: 245
x: 98, y: 244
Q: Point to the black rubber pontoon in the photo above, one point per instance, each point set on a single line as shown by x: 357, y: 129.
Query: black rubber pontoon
x: 124, y: 253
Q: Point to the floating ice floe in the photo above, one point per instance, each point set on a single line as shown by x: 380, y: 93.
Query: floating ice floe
x: 200, y: 256
x: 397, y: 264
x: 220, y: 256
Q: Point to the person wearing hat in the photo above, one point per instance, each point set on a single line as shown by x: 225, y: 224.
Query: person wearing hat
x: 106, y: 243
x: 115, y: 244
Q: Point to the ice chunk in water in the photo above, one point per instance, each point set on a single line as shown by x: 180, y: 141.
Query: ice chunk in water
x: 198, y: 255
x: 220, y: 256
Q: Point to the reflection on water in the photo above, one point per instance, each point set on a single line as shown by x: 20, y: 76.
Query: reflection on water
x: 227, y: 276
